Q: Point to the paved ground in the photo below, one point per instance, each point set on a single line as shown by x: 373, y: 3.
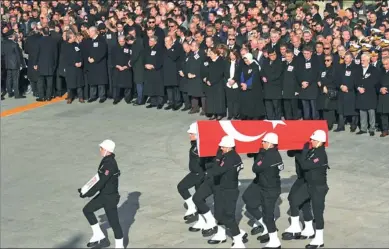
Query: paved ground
x: 49, y: 152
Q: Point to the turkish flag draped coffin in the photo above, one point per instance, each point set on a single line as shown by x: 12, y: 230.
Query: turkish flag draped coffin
x: 248, y: 135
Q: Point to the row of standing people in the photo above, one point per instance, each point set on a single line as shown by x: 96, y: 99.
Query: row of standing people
x: 219, y: 176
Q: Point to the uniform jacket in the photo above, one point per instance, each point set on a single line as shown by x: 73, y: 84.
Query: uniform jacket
x: 267, y: 166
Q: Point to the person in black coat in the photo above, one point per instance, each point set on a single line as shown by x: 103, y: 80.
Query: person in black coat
x: 61, y: 72
x: 214, y: 88
x: 122, y: 73
x: 195, y: 82
x: 73, y: 64
x: 85, y: 42
x: 234, y: 67
x: 383, y: 98
x: 31, y: 48
x: 182, y: 71
x: 13, y: 63
x: 46, y: 63
x: 153, y: 63
x: 271, y: 75
x: 326, y: 101
x: 97, y: 66
x: 347, y: 74
x: 290, y: 87
x: 307, y: 77
x: 366, y: 98
x: 170, y: 73
x: 137, y: 65
x: 251, y: 95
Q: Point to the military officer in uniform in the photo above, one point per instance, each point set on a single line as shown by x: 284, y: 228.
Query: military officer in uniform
x: 108, y: 198
x: 196, y: 175
x: 265, y: 190
x: 314, y: 163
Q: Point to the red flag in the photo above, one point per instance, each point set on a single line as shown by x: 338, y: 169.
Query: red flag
x: 248, y: 135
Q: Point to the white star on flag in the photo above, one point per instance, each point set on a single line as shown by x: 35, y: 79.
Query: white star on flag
x: 275, y: 122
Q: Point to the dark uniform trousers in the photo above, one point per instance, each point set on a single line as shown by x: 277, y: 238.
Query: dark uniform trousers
x: 202, y: 193
x: 227, y: 202
x: 342, y: 120
x: 117, y: 93
x: 297, y: 200
x: 291, y: 110
x: 79, y: 91
x: 109, y: 203
x: 189, y: 181
x: 385, y: 122
x: 173, y: 95
x: 12, y: 81
x: 186, y: 100
x: 309, y: 109
x: 100, y: 89
x: 156, y: 100
x: 48, y: 80
x: 273, y: 109
x: 254, y: 197
x: 316, y: 195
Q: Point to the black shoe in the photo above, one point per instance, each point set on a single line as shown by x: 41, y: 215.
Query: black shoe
x: 219, y: 118
x: 169, y: 107
x: 177, y: 107
x: 360, y: 132
x: 330, y: 127
x: 2, y: 97
x: 339, y: 129
x: 371, y: 133
x: 49, y: 99
x: 263, y: 238
x: 186, y: 108
x: 40, y: 99
x: 353, y: 129
x: 11, y: 95
x: 230, y: 118
x: 213, y: 117
x: 302, y: 237
x: 271, y: 247
x: 245, y: 238
x: 159, y: 107
x: 313, y: 246
x: 256, y: 230
x: 190, y: 216
x: 290, y: 236
x: 193, y: 111
x: 92, y: 100
x: 191, y: 229
x: 116, y: 101
x: 209, y: 232
x: 20, y: 97
x: 99, y: 244
x: 150, y: 106
x: 215, y: 242
x: 102, y: 101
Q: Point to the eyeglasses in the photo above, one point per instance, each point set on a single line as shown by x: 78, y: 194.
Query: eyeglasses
x: 151, y: 22
x: 171, y: 26
x: 328, y: 60
x: 327, y: 48
x: 231, y: 39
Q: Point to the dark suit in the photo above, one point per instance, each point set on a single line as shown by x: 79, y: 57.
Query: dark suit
x: 46, y: 61
x: 13, y: 62
x: 138, y: 67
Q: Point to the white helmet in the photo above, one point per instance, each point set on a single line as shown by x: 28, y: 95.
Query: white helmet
x: 193, y: 128
x: 108, y: 145
x: 271, y: 138
x: 227, y: 141
x: 320, y: 136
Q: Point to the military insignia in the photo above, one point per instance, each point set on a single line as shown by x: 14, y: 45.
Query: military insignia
x: 221, y: 164
x: 259, y: 163
x: 106, y: 172
x: 316, y: 160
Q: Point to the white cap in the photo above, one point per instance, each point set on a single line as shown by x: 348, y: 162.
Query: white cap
x: 271, y: 138
x: 227, y: 141
x: 320, y: 136
x: 193, y: 128
x: 108, y: 145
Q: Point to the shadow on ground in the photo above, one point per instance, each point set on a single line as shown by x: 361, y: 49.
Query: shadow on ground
x: 73, y: 242
x: 127, y: 212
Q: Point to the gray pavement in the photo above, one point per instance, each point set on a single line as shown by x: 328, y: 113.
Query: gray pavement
x: 49, y: 152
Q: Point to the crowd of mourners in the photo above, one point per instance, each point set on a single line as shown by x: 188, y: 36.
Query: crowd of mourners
x: 245, y: 60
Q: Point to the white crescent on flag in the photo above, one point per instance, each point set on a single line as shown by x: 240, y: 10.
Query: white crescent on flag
x: 230, y: 130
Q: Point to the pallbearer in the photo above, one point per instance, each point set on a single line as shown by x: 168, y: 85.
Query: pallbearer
x: 107, y: 182
x: 265, y: 190
x: 194, y: 178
